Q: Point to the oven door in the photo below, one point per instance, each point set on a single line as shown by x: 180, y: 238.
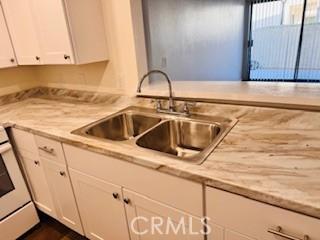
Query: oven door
x: 13, y: 190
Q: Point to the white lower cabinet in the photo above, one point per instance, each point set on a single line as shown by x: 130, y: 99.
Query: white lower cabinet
x: 101, y: 207
x: 108, y: 199
x: 109, y: 211
x: 120, y: 200
x: 38, y: 184
x: 246, y: 219
x: 215, y: 232
x: 64, y: 200
x: 48, y: 178
x: 149, y: 219
x: 230, y: 235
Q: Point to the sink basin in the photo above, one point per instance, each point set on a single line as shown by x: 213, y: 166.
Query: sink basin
x: 185, y: 139
x: 189, y: 139
x: 122, y: 127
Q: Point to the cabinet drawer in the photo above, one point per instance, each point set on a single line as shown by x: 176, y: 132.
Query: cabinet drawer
x: 176, y: 192
x: 50, y: 149
x: 254, y: 219
x: 24, y: 141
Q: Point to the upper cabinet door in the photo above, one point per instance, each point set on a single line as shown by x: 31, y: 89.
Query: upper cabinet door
x: 22, y: 27
x: 7, y: 58
x: 53, y: 31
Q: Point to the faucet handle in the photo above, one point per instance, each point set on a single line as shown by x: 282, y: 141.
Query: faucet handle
x: 187, y: 106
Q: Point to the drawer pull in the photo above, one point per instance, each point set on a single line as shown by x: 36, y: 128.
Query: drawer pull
x: 278, y: 231
x: 47, y: 150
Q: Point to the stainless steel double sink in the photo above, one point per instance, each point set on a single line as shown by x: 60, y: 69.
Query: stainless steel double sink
x: 190, y: 139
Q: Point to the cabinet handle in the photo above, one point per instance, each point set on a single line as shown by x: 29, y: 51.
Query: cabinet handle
x: 127, y: 201
x: 36, y: 162
x: 12, y: 60
x: 278, y: 231
x: 66, y: 57
x: 47, y: 150
x: 37, y: 58
x: 62, y: 173
x: 115, y: 195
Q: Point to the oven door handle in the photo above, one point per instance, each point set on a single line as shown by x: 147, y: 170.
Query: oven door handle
x: 5, y: 147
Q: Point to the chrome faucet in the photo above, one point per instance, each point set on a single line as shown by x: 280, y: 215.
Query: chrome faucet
x: 171, y: 102
x: 172, y: 107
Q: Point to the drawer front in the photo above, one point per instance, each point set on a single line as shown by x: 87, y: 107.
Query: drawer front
x: 50, y: 149
x: 255, y: 219
x: 25, y: 141
x: 173, y: 191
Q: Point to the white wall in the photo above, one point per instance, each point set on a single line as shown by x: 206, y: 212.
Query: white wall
x: 17, y: 79
x: 196, y: 40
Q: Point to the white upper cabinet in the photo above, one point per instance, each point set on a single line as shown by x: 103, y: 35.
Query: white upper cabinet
x: 53, y: 31
x: 87, y: 30
x: 7, y: 57
x: 22, y: 28
x: 57, y: 31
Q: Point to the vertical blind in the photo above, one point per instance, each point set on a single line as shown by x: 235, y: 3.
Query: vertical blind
x: 285, y: 40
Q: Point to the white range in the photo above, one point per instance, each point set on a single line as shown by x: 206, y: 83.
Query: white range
x: 17, y: 211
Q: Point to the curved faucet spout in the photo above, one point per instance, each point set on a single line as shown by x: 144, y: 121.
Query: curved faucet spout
x: 171, y: 103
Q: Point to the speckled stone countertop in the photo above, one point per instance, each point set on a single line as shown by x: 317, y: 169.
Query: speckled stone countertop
x: 271, y: 155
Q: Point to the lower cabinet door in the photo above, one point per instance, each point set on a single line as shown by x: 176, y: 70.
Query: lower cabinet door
x: 230, y: 235
x: 149, y: 219
x: 101, y: 207
x: 38, y: 184
x: 215, y: 232
x: 64, y: 200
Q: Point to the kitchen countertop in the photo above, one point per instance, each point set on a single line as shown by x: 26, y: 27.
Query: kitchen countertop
x: 271, y: 155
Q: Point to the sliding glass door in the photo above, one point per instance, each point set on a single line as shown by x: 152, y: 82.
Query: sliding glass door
x: 284, y: 40
x: 309, y: 63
